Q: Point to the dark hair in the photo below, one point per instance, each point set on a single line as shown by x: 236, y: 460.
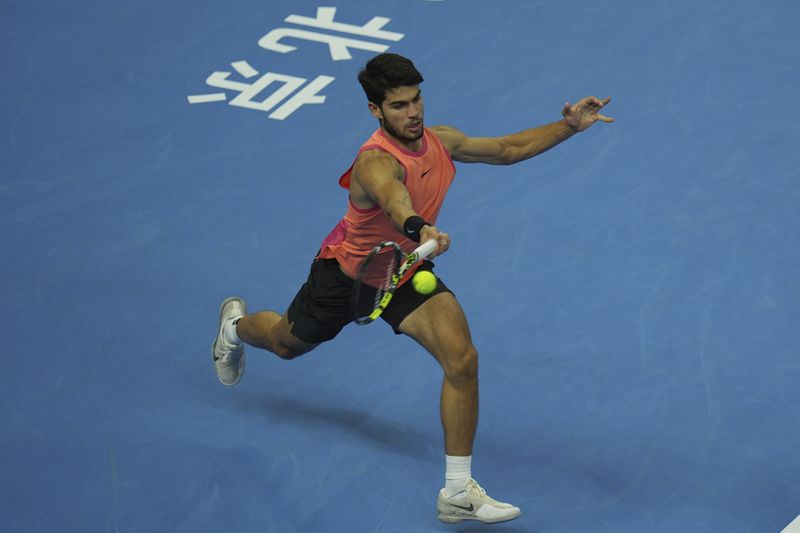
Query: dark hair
x: 384, y: 72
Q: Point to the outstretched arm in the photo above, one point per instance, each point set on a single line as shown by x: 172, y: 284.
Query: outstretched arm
x: 517, y: 147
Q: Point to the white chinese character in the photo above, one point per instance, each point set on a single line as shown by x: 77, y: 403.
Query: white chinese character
x: 338, y: 45
x: 249, y: 91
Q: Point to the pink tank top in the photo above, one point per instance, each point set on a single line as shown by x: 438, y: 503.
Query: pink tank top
x: 428, y: 175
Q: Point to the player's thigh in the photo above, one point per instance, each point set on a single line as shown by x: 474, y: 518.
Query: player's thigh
x: 319, y: 310
x: 441, y: 327
x: 288, y: 341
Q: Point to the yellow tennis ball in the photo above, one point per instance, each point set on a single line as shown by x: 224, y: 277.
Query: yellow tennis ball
x: 424, y: 282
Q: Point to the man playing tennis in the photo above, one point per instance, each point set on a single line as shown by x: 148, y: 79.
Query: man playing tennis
x: 397, y: 185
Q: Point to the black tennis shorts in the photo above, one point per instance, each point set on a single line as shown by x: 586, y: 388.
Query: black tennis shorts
x: 322, y: 306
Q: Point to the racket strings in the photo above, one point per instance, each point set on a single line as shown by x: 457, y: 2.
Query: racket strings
x: 375, y: 279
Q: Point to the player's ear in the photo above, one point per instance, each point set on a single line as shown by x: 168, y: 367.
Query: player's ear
x: 376, y: 111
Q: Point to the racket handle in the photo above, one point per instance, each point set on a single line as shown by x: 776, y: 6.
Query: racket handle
x: 425, y: 249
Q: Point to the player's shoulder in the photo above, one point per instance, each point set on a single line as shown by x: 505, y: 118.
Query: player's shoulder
x: 443, y: 129
x: 450, y: 136
x: 372, y: 154
x: 376, y: 161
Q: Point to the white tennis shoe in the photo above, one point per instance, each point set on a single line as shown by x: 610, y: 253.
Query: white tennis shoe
x: 229, y: 358
x: 473, y: 503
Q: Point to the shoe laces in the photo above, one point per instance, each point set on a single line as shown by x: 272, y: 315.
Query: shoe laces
x: 477, y: 488
x: 481, y: 493
x: 227, y: 351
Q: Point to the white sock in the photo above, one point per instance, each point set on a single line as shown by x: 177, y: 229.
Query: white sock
x: 459, y: 470
x: 229, y: 331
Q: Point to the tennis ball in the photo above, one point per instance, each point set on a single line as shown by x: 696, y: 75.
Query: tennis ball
x: 424, y: 282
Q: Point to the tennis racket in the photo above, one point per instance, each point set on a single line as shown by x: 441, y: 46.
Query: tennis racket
x: 379, y: 276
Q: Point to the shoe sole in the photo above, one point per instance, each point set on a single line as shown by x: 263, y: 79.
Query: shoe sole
x: 214, y: 344
x: 450, y: 519
x: 457, y: 519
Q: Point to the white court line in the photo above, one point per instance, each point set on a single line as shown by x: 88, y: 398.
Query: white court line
x: 794, y: 527
x: 244, y: 68
x: 205, y: 98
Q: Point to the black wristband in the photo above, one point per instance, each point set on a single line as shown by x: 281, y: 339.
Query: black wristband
x: 413, y: 225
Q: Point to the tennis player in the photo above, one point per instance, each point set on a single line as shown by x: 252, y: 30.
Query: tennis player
x: 397, y: 185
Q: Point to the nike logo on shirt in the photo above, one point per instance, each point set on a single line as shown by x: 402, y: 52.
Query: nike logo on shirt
x: 423, y: 174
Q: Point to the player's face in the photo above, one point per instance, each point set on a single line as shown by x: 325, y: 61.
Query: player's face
x: 402, y: 113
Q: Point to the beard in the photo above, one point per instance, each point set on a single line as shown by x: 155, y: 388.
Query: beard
x: 405, y: 137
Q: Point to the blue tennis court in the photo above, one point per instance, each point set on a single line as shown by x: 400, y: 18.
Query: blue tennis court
x: 633, y: 293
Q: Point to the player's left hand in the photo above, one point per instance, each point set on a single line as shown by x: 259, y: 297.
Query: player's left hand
x: 585, y: 112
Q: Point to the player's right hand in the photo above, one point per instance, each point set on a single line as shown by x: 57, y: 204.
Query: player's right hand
x: 442, y: 239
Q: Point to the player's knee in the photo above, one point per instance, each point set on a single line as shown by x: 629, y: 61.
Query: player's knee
x: 284, y: 352
x: 288, y: 353
x: 462, y: 365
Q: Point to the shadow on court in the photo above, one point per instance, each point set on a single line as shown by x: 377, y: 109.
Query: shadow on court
x: 372, y: 431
